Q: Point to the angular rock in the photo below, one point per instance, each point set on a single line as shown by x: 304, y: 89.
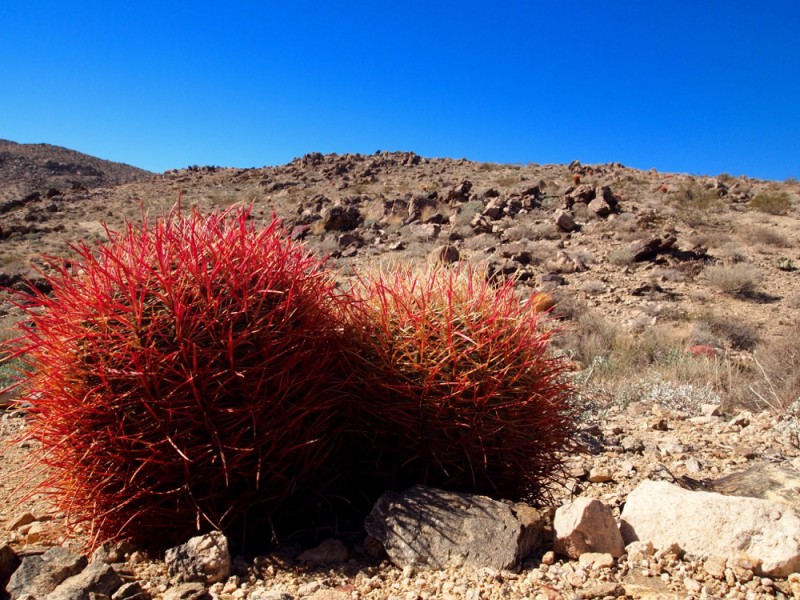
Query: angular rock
x: 645, y: 249
x: 707, y: 524
x: 583, y: 193
x: 204, y: 559
x: 494, y: 208
x: 37, y: 576
x: 341, y: 218
x: 130, y: 591
x: 97, y: 578
x: 459, y: 193
x: 586, y: 525
x: 434, y: 528
x: 599, y: 207
x: 565, y: 221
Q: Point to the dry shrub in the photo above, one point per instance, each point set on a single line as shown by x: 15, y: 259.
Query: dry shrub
x: 778, y: 361
x: 765, y: 236
x: 772, y: 204
x: 622, y: 256
x: 720, y: 330
x: 735, y: 280
x: 695, y: 203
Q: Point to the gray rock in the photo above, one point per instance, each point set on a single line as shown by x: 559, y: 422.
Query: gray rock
x: 9, y: 561
x: 599, y: 207
x: 204, y: 559
x: 709, y: 524
x: 37, y: 576
x: 434, y: 528
x: 586, y: 525
x: 97, y: 578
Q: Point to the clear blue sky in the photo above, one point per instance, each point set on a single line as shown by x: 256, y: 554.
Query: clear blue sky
x: 697, y: 86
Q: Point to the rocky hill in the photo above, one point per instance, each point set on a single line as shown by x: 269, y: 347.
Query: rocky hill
x: 36, y: 168
x: 677, y: 297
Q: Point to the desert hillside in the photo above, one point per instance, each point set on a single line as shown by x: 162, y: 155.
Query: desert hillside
x: 676, y: 298
x: 37, y: 168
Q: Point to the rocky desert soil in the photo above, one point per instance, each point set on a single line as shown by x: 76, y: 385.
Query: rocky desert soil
x: 676, y: 294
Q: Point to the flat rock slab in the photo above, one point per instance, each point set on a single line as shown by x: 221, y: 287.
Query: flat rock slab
x: 427, y: 527
x: 710, y: 524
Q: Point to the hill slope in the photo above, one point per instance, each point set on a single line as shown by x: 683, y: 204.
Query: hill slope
x: 29, y: 168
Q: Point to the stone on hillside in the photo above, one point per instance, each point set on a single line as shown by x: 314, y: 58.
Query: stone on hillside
x: 445, y: 254
x: 645, y: 249
x: 586, y: 525
x: 341, y: 218
x: 565, y: 221
x: 96, y: 579
x: 583, y: 193
x: 459, y: 193
x: 434, y: 528
x: 37, y: 576
x: 599, y: 207
x: 204, y: 559
x: 707, y: 524
x: 494, y: 208
x: 607, y: 195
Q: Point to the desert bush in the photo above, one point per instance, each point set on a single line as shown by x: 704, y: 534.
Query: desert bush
x: 463, y: 390
x: 765, y: 236
x: 622, y: 256
x: 773, y: 204
x: 778, y: 361
x: 732, y: 253
x: 711, y: 328
x: 184, y: 377
x: 736, y: 280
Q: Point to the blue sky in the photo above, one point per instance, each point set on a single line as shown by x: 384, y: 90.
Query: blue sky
x: 699, y: 87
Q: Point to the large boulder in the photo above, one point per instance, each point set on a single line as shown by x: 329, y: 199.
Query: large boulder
x: 427, y: 527
x: 710, y: 524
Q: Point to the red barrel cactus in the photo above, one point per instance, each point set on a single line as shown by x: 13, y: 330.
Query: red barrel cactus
x: 184, y: 376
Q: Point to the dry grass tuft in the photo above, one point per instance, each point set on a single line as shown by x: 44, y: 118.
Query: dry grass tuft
x: 735, y: 280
